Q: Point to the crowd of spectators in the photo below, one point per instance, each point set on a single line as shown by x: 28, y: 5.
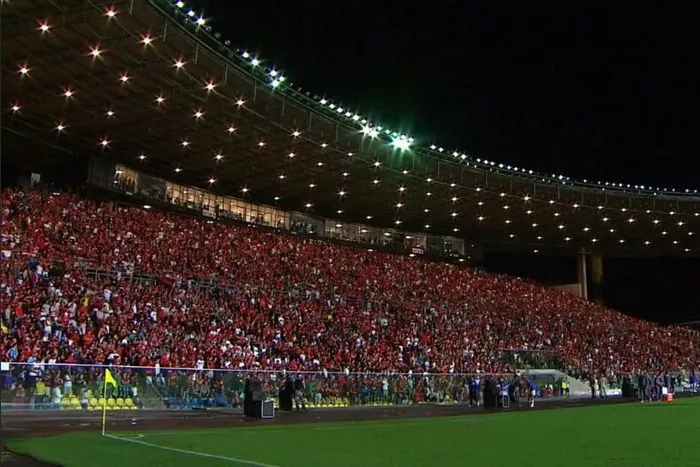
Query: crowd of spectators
x: 72, y: 289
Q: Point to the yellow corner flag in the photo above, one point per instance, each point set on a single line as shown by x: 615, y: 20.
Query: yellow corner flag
x: 109, y: 379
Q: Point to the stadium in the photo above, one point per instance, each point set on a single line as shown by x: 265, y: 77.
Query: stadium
x: 190, y: 239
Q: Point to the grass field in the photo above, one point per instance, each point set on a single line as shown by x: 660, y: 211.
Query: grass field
x: 635, y: 435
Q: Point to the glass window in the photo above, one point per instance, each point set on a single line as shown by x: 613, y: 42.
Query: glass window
x: 238, y: 209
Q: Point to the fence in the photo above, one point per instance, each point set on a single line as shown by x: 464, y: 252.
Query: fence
x: 40, y: 386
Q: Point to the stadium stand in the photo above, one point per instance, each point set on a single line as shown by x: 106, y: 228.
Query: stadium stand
x: 91, y: 283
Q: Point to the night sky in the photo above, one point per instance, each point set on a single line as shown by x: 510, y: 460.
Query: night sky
x: 584, y: 90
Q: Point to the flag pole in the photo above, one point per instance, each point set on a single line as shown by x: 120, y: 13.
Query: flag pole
x: 104, y: 404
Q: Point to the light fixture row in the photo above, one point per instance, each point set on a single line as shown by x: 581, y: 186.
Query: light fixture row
x: 399, y: 141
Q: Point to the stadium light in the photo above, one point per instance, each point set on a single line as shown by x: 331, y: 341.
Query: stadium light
x: 401, y: 143
x: 95, y: 52
x: 369, y: 131
x: 44, y: 26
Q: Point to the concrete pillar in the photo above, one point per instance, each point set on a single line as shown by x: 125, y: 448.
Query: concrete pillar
x: 582, y: 274
x: 597, y: 277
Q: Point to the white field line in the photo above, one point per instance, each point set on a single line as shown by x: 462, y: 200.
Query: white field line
x: 231, y: 460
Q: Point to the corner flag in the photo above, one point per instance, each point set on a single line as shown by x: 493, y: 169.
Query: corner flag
x: 109, y: 379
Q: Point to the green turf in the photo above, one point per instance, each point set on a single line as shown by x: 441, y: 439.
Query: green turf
x: 635, y: 435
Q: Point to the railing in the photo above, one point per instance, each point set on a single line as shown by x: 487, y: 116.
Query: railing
x: 51, y: 386
x: 46, y: 386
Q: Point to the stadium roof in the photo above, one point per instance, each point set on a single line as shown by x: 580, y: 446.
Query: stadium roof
x: 147, y: 84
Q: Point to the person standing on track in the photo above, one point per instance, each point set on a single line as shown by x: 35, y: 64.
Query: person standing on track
x: 532, y: 393
x: 658, y: 387
x: 641, y: 386
x: 474, y: 389
x: 602, y: 387
x: 299, y: 399
x: 649, y: 388
x: 514, y: 390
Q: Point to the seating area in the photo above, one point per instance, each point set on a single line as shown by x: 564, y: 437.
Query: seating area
x: 49, y: 396
x: 111, y: 404
x: 96, y: 283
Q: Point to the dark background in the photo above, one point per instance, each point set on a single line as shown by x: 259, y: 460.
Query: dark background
x: 588, y: 89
